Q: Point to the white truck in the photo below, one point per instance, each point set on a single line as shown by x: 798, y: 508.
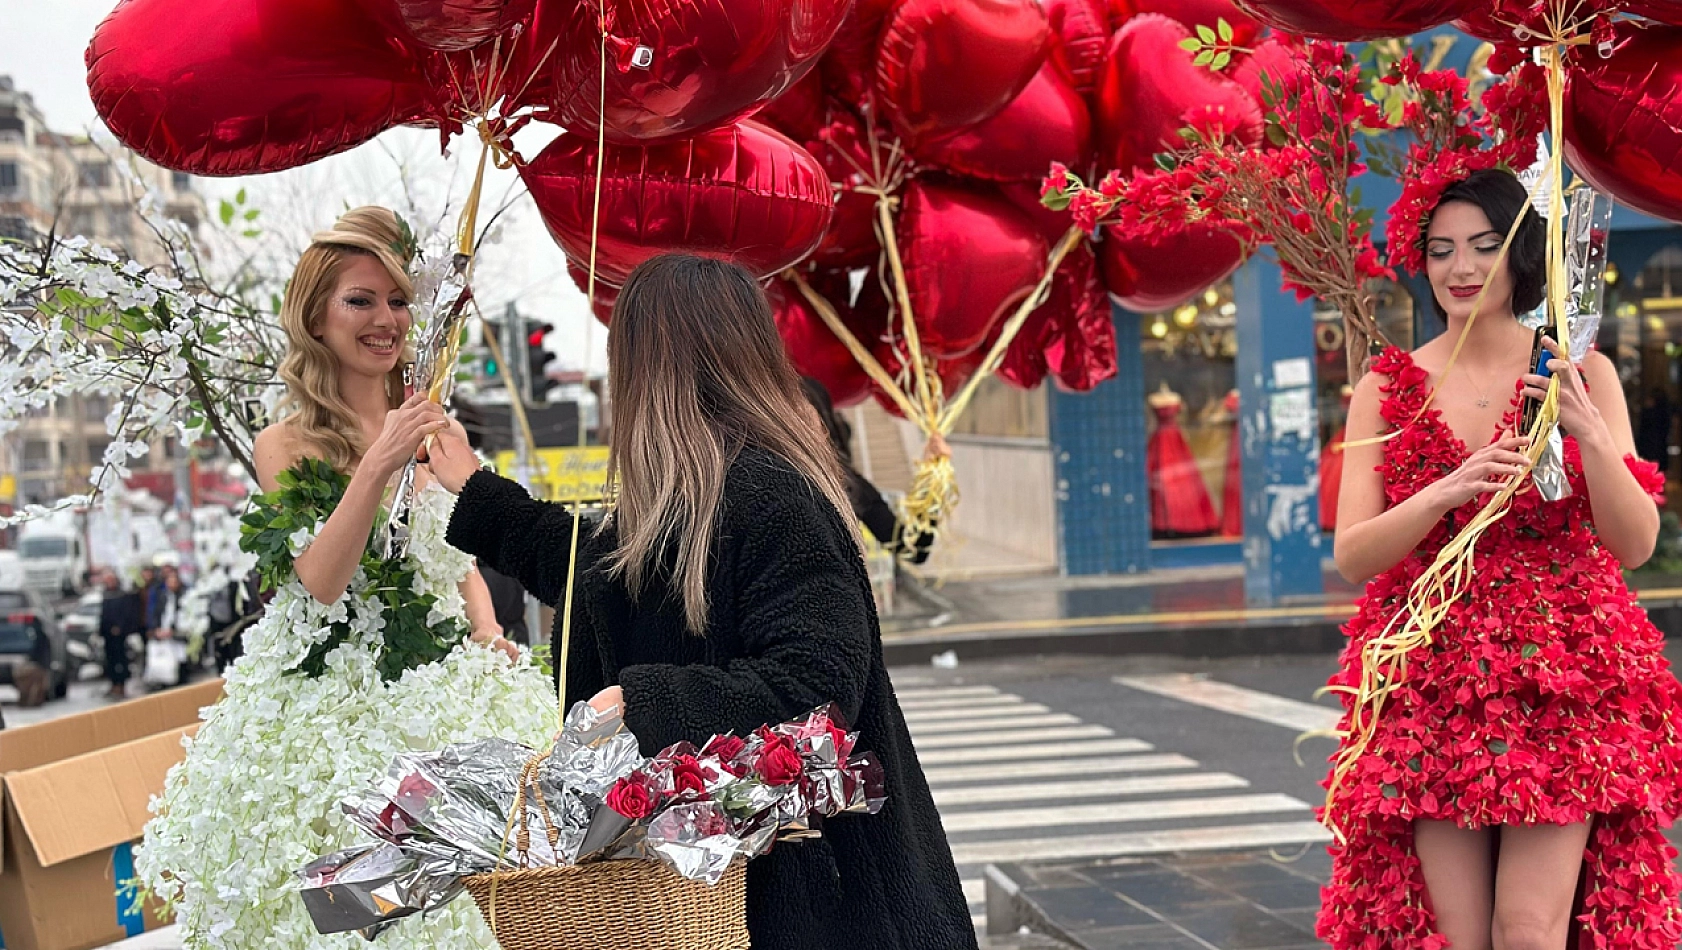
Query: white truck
x: 53, y: 555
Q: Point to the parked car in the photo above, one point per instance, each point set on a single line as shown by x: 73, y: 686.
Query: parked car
x: 29, y: 631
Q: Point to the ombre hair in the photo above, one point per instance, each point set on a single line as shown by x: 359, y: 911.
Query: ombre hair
x: 313, y: 406
x: 697, y: 372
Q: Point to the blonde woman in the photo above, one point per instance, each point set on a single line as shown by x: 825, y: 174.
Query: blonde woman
x: 357, y: 658
x: 727, y: 590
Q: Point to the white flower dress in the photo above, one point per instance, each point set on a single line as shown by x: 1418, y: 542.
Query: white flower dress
x: 257, y: 795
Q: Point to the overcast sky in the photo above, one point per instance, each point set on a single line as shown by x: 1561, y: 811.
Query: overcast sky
x: 41, y: 49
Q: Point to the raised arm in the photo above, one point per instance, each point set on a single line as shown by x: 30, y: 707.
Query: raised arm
x: 1371, y: 537
x: 326, y: 567
x: 803, y: 609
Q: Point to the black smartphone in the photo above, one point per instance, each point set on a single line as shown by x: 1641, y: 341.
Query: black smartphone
x: 1539, y: 358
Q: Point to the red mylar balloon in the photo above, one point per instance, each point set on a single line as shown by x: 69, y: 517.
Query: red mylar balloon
x: 1150, y: 278
x: 1623, y: 118
x: 842, y: 149
x: 458, y: 24
x: 1209, y: 13
x: 945, y: 64
x: 241, y: 87
x: 601, y: 303
x: 1150, y: 89
x: 849, y: 67
x: 1047, y: 123
x: 1120, y: 12
x: 1351, y: 20
x: 969, y: 258
x: 1270, y: 58
x: 1026, y: 197
x: 799, y: 113
x: 1070, y: 336
x: 1082, y: 28
x: 1664, y: 11
x: 676, y: 67
x: 744, y: 193
x: 813, y: 348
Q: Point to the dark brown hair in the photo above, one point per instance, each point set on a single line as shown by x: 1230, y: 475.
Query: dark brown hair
x: 1502, y: 199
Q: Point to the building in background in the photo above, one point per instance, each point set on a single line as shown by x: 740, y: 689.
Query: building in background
x: 57, y: 184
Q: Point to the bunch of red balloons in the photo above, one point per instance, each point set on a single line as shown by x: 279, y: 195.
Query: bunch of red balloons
x: 778, y: 133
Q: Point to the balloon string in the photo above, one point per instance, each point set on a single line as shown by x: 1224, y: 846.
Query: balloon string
x: 590, y: 294
x: 866, y: 360
x: 908, y: 322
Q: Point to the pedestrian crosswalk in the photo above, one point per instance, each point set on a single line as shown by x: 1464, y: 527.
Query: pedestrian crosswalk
x: 1019, y: 781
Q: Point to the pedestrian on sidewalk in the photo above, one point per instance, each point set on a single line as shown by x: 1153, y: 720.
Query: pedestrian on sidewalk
x: 727, y: 590
x: 1519, y: 773
x: 120, y: 617
x: 869, y: 507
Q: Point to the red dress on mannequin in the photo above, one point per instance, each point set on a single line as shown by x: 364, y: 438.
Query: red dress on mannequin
x: 1545, y: 698
x: 1331, y: 469
x: 1180, y: 505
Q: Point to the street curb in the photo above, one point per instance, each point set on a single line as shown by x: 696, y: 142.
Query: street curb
x: 1009, y: 907
x: 1226, y: 634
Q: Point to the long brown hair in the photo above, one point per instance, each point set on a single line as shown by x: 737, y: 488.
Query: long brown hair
x: 313, y: 406
x: 697, y: 372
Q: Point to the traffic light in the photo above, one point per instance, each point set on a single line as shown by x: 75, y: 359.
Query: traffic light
x: 538, y: 358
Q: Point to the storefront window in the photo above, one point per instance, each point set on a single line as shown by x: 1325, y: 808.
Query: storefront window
x: 1190, y: 382
x: 1640, y: 334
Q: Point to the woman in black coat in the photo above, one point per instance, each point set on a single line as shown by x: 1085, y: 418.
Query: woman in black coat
x: 726, y: 591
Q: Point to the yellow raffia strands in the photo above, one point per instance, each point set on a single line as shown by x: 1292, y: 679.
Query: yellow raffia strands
x: 1385, y: 658
x: 934, y: 482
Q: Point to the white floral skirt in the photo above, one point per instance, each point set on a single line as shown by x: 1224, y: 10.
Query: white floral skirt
x: 257, y: 796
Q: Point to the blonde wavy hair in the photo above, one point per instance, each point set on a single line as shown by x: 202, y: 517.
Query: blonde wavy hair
x: 313, y: 406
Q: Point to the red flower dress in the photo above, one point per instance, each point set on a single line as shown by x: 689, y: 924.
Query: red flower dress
x: 1545, y: 699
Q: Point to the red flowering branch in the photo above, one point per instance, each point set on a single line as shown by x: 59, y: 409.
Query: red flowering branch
x: 1454, y: 139
x: 1291, y: 190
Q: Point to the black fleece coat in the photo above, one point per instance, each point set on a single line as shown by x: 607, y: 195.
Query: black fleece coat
x: 791, y: 626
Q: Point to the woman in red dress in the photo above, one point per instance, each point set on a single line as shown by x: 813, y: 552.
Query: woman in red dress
x: 1514, y: 791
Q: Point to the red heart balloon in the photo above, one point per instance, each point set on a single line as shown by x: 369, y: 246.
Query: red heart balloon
x: 1120, y: 12
x: 1623, y: 118
x: 1270, y: 58
x: 799, y: 113
x: 945, y: 64
x: 458, y: 24
x: 813, y: 348
x: 1025, y: 197
x: 1351, y: 20
x: 743, y: 193
x: 1150, y: 89
x: 1150, y: 278
x: 1082, y: 28
x: 1070, y: 336
x: 849, y: 66
x: 969, y: 258
x: 843, y: 150
x: 241, y: 87
x: 1209, y: 13
x: 676, y: 67
x: 1047, y: 123
x: 601, y: 303
x: 1664, y: 11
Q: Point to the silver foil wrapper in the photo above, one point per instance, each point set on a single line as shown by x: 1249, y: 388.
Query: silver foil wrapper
x: 1549, y: 472
x: 369, y: 889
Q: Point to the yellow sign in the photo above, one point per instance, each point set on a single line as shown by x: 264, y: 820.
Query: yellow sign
x: 8, y: 487
x: 576, y: 474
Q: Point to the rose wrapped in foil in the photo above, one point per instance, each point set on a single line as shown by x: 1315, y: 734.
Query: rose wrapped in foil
x: 489, y: 805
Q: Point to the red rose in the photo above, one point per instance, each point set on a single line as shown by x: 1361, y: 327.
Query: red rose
x: 724, y: 748
x: 778, y: 763
x: 631, y: 797
x: 688, y: 776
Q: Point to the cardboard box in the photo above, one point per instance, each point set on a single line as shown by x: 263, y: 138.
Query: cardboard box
x: 74, y: 794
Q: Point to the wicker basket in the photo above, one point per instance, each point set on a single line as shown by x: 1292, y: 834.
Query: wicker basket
x: 609, y: 905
